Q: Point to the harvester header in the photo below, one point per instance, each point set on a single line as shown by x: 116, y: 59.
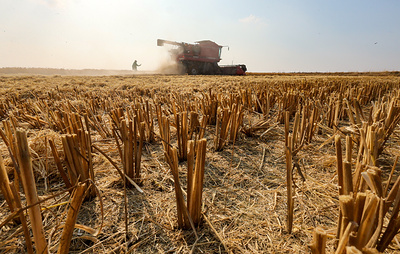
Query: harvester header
x: 202, y: 57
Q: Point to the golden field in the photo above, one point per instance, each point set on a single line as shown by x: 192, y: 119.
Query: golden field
x: 278, y: 152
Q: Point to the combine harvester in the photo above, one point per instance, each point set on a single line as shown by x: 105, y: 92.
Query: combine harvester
x: 201, y: 58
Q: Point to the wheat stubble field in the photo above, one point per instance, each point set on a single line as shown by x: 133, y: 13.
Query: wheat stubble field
x: 265, y: 163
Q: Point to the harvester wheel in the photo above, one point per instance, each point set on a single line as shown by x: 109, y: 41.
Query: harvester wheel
x: 194, y: 71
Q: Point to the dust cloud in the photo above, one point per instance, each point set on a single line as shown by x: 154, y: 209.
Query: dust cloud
x: 65, y: 72
x: 167, y: 61
x: 170, y: 67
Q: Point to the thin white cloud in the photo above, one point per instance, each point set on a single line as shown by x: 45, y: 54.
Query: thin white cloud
x: 251, y: 19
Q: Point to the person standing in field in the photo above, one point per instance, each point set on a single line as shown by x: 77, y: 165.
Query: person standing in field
x: 135, y: 65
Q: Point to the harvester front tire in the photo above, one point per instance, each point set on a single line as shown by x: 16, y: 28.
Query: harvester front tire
x: 194, y: 71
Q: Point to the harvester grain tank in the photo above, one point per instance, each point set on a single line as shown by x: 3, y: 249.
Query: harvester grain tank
x: 202, y: 57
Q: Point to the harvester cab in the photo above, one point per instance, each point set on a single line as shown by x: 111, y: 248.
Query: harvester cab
x: 201, y: 57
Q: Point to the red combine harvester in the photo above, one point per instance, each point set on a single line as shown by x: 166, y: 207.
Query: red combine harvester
x: 202, y: 58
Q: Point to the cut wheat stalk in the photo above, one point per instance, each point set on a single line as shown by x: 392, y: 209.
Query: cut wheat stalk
x: 10, y: 141
x: 149, y: 122
x: 72, y: 172
x: 97, y: 124
x: 359, y: 206
x: 138, y: 152
x: 209, y: 107
x: 389, y: 234
x: 77, y: 149
x: 75, y: 204
x: 319, y: 243
x: 289, y: 179
x: 59, y: 165
x: 132, y: 133
x: 127, y: 144
x: 339, y: 164
x: 367, y: 223
x: 5, y: 187
x: 120, y: 172
x: 202, y: 128
x: 390, y: 176
x: 336, y: 116
x: 339, y: 167
x: 172, y: 159
x: 165, y: 133
x: 181, y: 123
x: 190, y: 170
x: 346, y: 203
x: 296, y: 127
x: 347, y: 178
x: 393, y: 196
x: 236, y: 121
x: 393, y: 225
x: 375, y: 236
x: 197, y: 183
x: 125, y: 165
x: 312, y: 124
x: 222, y: 129
x: 87, y: 139
x: 17, y: 200
x: 347, y: 172
x: 374, y: 174
x: 133, y: 151
x: 28, y: 182
x: 72, y: 141
x: 344, y: 239
x: 353, y: 250
x: 194, y: 124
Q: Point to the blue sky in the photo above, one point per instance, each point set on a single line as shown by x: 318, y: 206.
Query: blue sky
x: 267, y: 36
